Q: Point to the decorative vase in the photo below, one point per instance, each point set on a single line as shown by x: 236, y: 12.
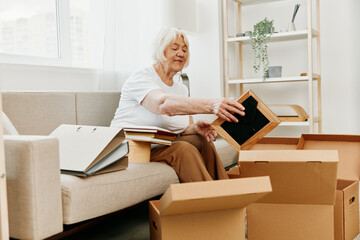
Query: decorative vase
x: 274, y: 71
x: 291, y: 27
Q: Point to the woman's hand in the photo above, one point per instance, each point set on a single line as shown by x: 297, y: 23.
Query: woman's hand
x: 225, y: 108
x: 204, y: 129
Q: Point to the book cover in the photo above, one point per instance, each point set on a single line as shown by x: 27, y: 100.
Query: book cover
x: 85, y: 150
x: 153, y: 135
x: 147, y: 139
x: 149, y: 129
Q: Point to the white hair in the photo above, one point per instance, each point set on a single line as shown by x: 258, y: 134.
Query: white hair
x: 163, y: 39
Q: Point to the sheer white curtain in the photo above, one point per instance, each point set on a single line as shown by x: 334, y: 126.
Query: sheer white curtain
x: 130, y: 27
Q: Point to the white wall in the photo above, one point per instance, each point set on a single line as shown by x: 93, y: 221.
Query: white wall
x: 27, y: 77
x: 340, y: 38
x: 340, y: 53
x: 204, y: 70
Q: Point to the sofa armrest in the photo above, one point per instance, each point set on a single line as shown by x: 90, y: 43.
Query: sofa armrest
x: 33, y: 186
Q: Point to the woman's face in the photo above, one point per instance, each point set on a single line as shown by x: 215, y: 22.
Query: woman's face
x: 176, y: 54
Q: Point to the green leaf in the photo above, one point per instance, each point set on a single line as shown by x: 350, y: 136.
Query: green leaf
x: 259, y: 38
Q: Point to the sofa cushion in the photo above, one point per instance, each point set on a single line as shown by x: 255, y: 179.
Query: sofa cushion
x: 39, y: 113
x: 227, y: 154
x: 86, y: 198
x: 8, y: 127
x: 96, y: 108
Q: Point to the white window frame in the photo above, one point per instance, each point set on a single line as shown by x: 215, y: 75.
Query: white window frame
x: 63, y: 41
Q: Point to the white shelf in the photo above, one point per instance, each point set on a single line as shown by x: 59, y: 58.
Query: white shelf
x: 251, y: 2
x: 277, y: 37
x: 272, y: 80
x: 309, y: 34
x: 305, y: 124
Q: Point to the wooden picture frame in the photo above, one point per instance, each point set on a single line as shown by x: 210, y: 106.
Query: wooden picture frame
x: 4, y: 221
x: 257, y: 129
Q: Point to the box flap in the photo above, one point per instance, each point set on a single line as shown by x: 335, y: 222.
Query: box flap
x: 213, y: 195
x: 348, y: 147
x: 297, y: 177
x: 276, y: 143
x: 343, y: 185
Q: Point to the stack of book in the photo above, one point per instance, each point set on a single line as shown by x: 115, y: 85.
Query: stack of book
x: 150, y: 134
x: 90, y: 150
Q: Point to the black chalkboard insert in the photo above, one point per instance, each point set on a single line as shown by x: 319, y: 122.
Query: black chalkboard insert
x: 248, y: 125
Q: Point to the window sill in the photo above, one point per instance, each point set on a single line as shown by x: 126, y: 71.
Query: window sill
x: 30, y: 67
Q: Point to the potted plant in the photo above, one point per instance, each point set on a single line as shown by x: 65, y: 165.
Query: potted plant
x: 259, y: 37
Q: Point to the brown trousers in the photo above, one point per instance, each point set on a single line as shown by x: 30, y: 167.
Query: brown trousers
x: 193, y: 159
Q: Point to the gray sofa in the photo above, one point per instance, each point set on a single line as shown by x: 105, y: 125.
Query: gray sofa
x: 41, y: 199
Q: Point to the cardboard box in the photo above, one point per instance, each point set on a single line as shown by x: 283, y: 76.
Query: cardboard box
x: 205, y: 210
x: 139, y: 151
x: 346, y: 211
x: 268, y: 143
x: 348, y: 146
x: 301, y: 205
x: 234, y: 173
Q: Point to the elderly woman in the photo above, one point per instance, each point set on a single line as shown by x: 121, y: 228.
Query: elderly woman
x: 151, y: 97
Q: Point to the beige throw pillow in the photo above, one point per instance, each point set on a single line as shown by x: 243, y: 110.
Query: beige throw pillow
x: 9, y: 128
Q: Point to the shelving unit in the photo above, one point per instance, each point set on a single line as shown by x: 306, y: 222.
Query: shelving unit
x: 309, y: 34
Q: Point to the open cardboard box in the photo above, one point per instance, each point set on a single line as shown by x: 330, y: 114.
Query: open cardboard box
x: 346, y: 211
x: 205, y: 210
x: 347, y: 193
x: 301, y: 205
x: 348, y: 147
x: 268, y: 143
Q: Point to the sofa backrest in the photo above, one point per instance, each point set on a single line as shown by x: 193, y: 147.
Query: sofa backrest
x: 39, y: 113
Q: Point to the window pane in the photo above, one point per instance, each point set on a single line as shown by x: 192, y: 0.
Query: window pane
x: 87, y: 29
x: 28, y: 27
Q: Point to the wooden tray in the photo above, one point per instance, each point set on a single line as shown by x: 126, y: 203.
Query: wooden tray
x: 300, y: 114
